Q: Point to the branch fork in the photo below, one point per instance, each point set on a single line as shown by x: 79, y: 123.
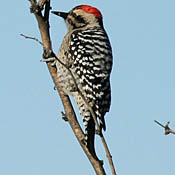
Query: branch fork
x: 166, y: 127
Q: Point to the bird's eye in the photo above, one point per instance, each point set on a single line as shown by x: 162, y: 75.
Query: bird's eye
x: 74, y: 15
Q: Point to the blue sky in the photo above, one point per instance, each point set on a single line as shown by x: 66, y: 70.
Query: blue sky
x: 34, y: 138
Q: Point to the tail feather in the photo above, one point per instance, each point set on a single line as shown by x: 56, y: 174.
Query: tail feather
x: 90, y: 137
x: 102, y: 123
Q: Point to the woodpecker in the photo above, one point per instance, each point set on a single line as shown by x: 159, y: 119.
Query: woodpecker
x: 87, y: 52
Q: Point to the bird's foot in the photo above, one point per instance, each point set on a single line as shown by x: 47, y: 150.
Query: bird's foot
x: 64, y: 117
x: 48, y: 60
x: 98, y: 132
x: 83, y: 141
x: 101, y: 162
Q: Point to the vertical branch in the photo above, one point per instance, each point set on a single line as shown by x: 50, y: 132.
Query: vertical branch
x: 108, y: 154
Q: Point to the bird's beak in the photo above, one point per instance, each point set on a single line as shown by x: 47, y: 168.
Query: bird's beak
x: 62, y: 14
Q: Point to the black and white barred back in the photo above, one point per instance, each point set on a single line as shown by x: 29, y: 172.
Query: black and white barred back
x: 87, y: 52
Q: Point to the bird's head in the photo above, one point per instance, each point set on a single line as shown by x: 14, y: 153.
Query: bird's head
x: 81, y: 16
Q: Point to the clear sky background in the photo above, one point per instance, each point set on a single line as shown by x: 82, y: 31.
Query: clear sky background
x: 34, y: 140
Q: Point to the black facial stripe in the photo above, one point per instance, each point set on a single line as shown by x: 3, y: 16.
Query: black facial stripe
x: 79, y: 19
x: 74, y: 26
x: 71, y: 23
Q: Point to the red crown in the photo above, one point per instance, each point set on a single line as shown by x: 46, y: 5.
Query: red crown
x: 90, y: 9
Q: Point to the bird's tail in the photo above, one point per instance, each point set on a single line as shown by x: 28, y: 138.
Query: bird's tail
x: 89, y: 124
x: 90, y: 136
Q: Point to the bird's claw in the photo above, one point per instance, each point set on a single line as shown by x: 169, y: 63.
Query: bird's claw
x: 64, y: 117
x: 98, y: 132
x: 48, y: 60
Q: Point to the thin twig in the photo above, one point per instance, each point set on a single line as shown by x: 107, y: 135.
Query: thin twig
x: 109, y: 156
x: 159, y: 123
x: 28, y: 37
x: 166, y: 127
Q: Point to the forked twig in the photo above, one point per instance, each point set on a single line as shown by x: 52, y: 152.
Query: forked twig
x: 166, y: 127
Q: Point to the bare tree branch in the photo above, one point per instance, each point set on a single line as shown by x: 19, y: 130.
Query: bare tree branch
x: 166, y: 127
x: 70, y: 114
x: 108, y: 154
x: 33, y: 38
